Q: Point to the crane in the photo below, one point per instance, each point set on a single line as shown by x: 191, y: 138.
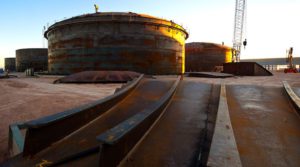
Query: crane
x: 240, y: 8
x: 291, y: 67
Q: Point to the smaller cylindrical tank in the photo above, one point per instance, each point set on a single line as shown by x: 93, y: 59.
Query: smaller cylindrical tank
x: 10, y: 64
x: 201, y: 56
x: 36, y: 58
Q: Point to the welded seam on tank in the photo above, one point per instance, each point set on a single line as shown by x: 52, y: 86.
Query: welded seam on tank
x: 53, y: 27
x: 223, y: 151
x: 127, y: 19
x: 205, y: 137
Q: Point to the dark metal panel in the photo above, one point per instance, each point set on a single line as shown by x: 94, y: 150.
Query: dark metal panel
x: 208, y: 74
x: 10, y: 64
x: 246, y: 69
x: 36, y: 58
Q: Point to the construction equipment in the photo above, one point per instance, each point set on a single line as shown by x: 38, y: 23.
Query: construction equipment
x: 96, y: 8
x: 240, y: 8
x: 291, y: 67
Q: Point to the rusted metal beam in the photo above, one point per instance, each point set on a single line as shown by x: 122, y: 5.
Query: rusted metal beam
x: 43, y: 132
x: 16, y: 139
x: 118, y: 141
x: 292, y: 95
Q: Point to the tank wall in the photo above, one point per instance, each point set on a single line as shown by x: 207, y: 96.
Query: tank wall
x: 228, y: 54
x: 32, y: 58
x: 205, y: 56
x: 144, y: 48
x: 10, y: 64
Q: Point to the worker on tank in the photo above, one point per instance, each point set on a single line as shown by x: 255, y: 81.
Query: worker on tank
x: 96, y: 8
x: 6, y: 73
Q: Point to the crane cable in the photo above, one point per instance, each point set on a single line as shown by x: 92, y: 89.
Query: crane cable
x: 245, y: 26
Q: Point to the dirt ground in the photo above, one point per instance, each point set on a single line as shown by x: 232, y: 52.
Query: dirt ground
x: 23, y: 99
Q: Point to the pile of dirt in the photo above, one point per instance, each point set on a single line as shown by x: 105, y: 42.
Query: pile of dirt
x: 7, y: 76
x: 99, y: 77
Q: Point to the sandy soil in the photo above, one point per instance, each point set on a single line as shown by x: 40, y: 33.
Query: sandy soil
x: 23, y: 99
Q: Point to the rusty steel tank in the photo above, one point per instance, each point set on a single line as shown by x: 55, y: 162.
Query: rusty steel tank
x: 201, y: 56
x: 116, y: 41
x: 10, y: 64
x: 36, y: 58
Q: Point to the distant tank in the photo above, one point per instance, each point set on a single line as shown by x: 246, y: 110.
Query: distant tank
x: 201, y: 56
x: 116, y: 41
x: 10, y: 64
x: 36, y: 58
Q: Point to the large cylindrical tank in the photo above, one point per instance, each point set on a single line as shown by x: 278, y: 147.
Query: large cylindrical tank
x: 36, y: 58
x: 116, y: 41
x: 202, y: 56
x: 10, y: 64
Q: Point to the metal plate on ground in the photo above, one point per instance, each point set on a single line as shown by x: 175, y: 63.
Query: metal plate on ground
x: 265, y: 124
x: 178, y: 137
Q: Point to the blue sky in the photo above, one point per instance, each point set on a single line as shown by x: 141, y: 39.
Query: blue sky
x: 272, y: 25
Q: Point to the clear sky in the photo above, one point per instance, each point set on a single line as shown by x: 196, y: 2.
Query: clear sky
x: 272, y: 25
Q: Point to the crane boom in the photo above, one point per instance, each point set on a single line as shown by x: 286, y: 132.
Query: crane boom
x: 239, y: 19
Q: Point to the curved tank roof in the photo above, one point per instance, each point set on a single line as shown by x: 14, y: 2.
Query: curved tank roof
x: 31, y: 49
x: 116, y: 17
x: 204, y: 45
x: 9, y: 58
